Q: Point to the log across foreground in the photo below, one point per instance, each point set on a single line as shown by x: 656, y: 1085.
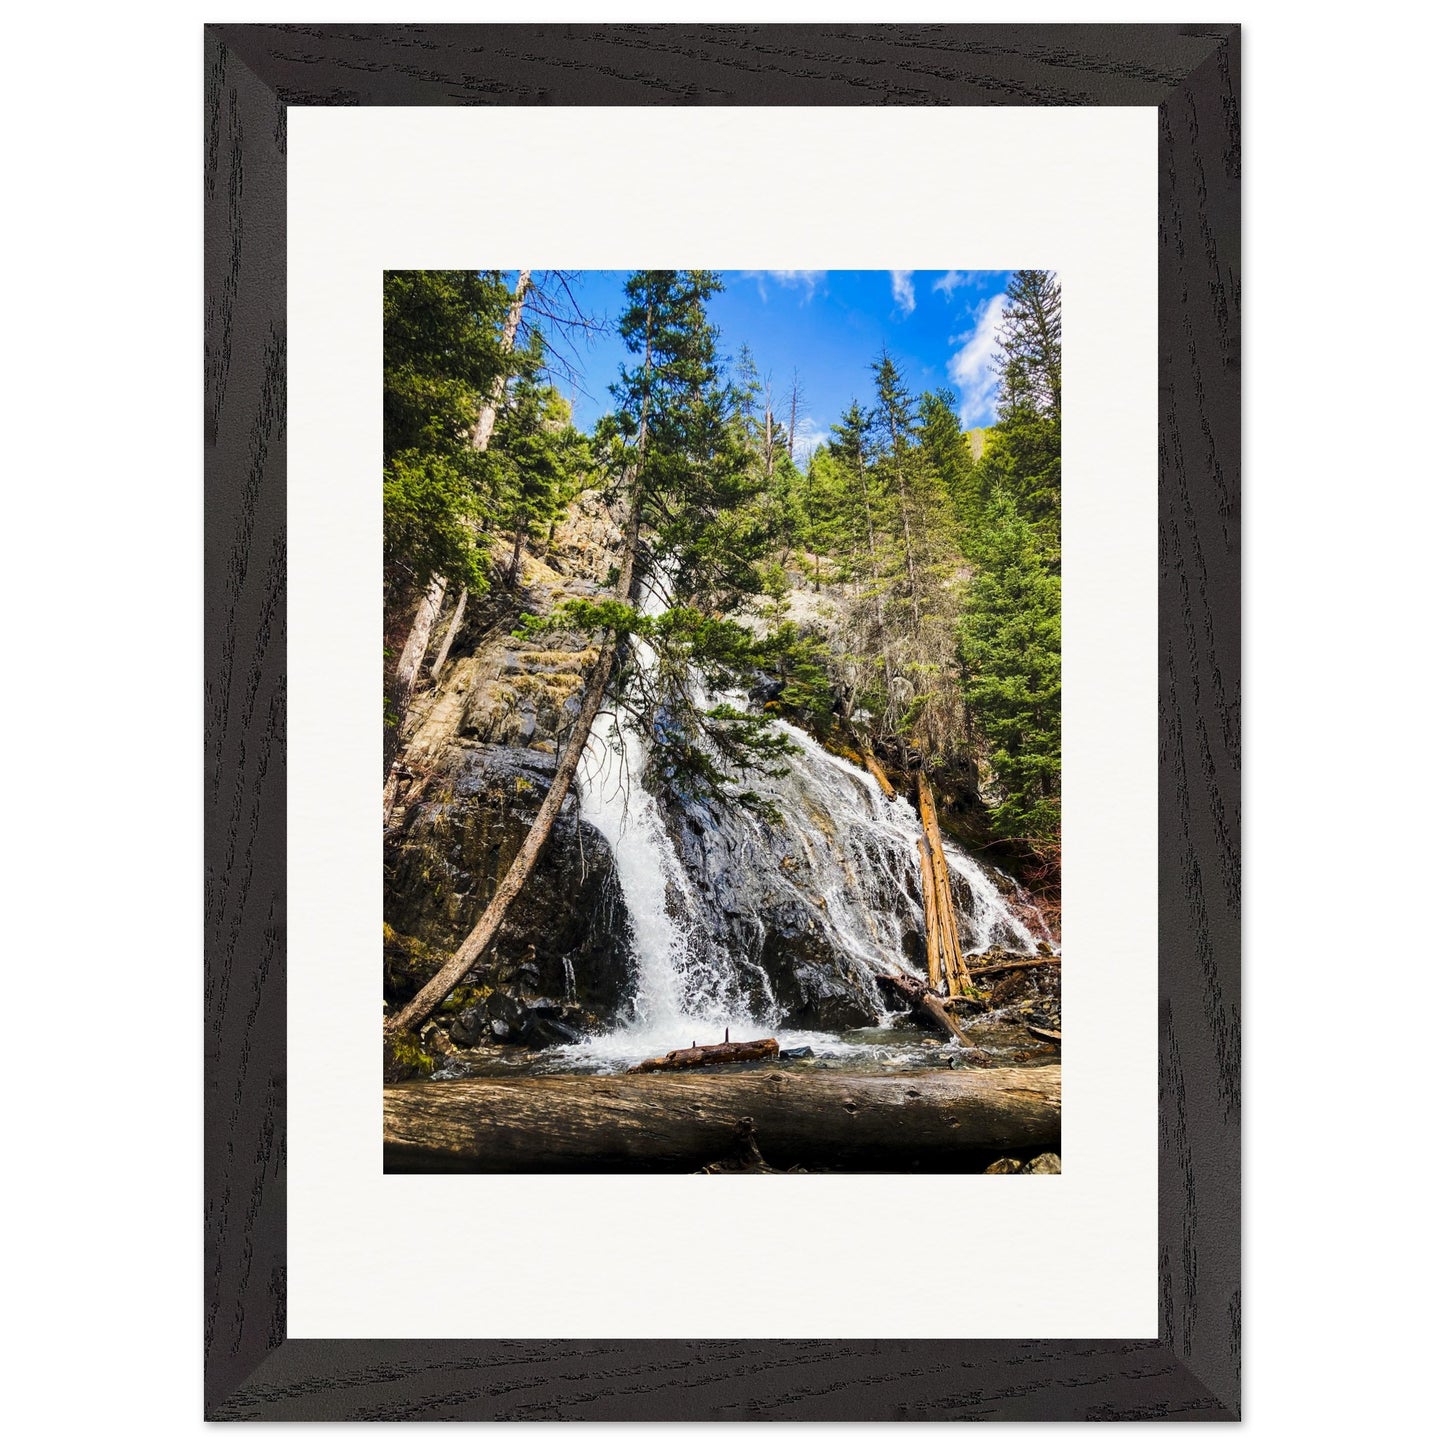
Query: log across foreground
x: 702, y: 1056
x: 933, y: 1119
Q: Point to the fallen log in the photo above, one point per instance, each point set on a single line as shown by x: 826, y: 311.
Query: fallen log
x: 879, y: 776
x: 1044, y: 960
x: 1047, y: 1035
x: 928, y: 1009
x: 702, y: 1056
x: 940, y: 1119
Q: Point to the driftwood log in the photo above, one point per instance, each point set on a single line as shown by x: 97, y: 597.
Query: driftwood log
x: 1043, y: 960
x: 701, y: 1056
x: 927, y: 1009
x: 879, y: 776
x: 931, y: 1119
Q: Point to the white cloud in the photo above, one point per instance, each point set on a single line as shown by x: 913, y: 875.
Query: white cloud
x: 903, y: 296
x: 808, y: 436
x: 950, y: 282
x: 970, y: 368
x: 807, y: 280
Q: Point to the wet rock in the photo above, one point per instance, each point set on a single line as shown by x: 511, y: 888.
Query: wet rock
x: 444, y: 867
x: 467, y: 1027
x: 455, y: 1067
x: 403, y: 1057
x: 540, y: 1031
x: 1043, y: 1164
x: 504, y: 1009
x: 765, y: 690
x: 1005, y: 1166
x: 802, y: 1053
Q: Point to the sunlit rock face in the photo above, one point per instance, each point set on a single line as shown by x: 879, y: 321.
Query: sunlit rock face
x: 480, y: 755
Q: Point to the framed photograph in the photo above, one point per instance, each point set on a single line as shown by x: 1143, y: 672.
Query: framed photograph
x: 637, y: 457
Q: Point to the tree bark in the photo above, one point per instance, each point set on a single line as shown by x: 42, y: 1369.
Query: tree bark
x: 933, y: 860
x: 409, y: 665
x: 700, y: 1057
x: 931, y: 1119
x: 1044, y: 960
x: 931, y: 940
x: 879, y: 776
x: 487, y: 416
x: 421, y: 629
x: 451, y: 637
x: 928, y: 1008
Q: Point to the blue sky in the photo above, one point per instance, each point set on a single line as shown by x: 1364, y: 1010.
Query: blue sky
x: 830, y: 325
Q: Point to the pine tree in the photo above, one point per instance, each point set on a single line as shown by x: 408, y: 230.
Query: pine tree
x: 442, y: 353
x: 1009, y: 647
x: 535, y: 456
x: 1031, y: 336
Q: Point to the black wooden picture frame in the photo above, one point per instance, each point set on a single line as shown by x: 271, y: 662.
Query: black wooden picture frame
x: 1191, y: 76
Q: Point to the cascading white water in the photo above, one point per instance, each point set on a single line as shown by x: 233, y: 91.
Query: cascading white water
x: 684, y: 988
x: 847, y: 851
x: 863, y: 851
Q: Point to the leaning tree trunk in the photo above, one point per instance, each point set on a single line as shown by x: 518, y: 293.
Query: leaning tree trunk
x: 930, y: 1119
x: 451, y: 637
x: 476, y: 943
x: 407, y: 668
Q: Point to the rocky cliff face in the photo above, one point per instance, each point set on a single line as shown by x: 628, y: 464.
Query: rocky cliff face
x: 479, y: 755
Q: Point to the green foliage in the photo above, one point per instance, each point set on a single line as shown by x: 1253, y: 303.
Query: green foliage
x: 1008, y: 644
x: 681, y: 444
x: 1031, y: 340
x: 441, y: 354
x: 536, y: 457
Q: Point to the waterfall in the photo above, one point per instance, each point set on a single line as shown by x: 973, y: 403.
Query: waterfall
x: 841, y: 857
x: 685, y: 988
x: 863, y: 849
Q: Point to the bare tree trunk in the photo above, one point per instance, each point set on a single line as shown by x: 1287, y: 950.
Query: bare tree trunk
x: 936, y: 881
x: 409, y: 665
x: 930, y: 918
x: 702, y: 1056
x: 879, y: 776
x: 928, y: 1010
x: 451, y: 636
x: 515, y: 568
x: 421, y: 629
x: 487, y: 417
x: 797, y: 396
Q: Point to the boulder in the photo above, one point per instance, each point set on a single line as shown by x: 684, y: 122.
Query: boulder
x: 1043, y: 1164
